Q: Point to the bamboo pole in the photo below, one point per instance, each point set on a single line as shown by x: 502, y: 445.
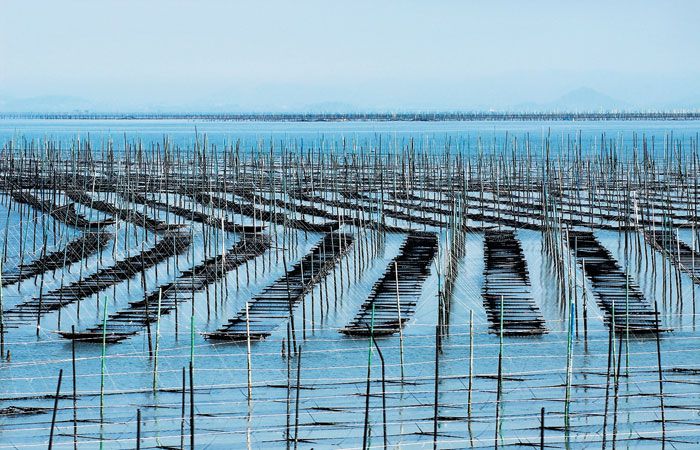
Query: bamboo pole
x: 103, y: 359
x: 398, y: 314
x: 366, y: 431
x: 661, y: 378
x: 248, y: 357
x: 138, y: 429
x: 55, y: 408
x: 75, y: 392
x: 155, y: 360
x: 296, y: 399
x: 436, y: 387
x: 471, y: 366
x: 384, y: 420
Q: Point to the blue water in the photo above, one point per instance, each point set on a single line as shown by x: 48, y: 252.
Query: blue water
x: 461, y: 136
x: 334, y: 367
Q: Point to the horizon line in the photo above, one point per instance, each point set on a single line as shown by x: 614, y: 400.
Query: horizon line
x: 386, y: 116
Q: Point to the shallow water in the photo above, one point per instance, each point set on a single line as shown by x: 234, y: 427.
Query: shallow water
x: 331, y: 398
x: 461, y: 136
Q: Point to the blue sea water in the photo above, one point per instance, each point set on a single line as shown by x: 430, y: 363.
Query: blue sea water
x: 334, y: 367
x: 434, y: 136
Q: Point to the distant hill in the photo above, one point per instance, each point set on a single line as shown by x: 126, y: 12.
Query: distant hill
x: 587, y: 99
x: 581, y: 99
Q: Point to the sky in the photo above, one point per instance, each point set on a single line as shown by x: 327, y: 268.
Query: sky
x: 155, y: 55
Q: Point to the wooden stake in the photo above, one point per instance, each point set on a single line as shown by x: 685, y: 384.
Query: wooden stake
x: 542, y: 428
x: 398, y: 313
x: 248, y: 359
x: 435, y: 387
x: 191, y: 405
x: 155, y: 360
x: 55, y: 408
x: 296, y: 400
x: 103, y: 359
x: 661, y: 378
x: 381, y: 358
x: 366, y: 431
x: 138, y: 429
x: 182, y: 410
x: 75, y: 393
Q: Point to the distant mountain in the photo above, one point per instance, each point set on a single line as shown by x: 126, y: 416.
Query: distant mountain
x: 582, y: 99
x: 578, y: 100
x: 587, y: 99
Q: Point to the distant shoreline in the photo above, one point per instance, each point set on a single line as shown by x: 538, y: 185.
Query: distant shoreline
x: 367, y: 117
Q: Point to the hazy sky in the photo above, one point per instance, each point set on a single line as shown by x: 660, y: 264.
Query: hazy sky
x: 281, y: 55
